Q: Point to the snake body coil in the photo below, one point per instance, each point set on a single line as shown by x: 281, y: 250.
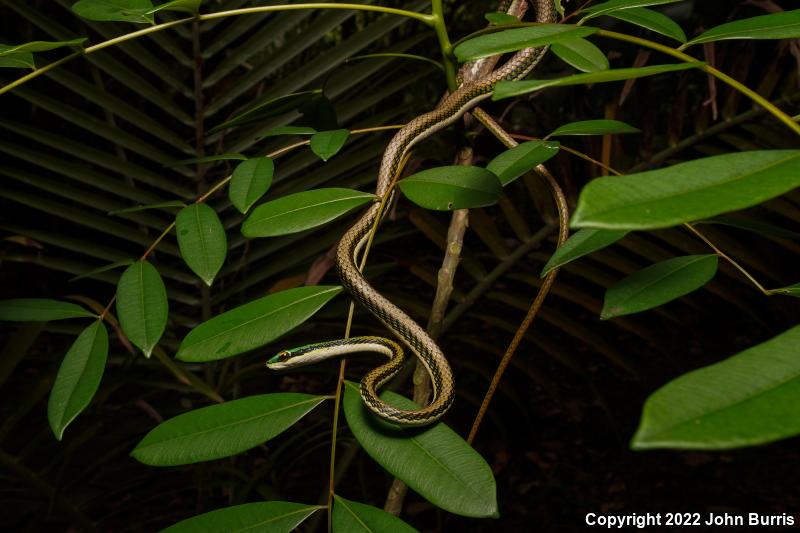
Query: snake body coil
x: 398, y: 322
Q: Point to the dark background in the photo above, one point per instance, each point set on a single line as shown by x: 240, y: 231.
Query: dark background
x: 558, y: 430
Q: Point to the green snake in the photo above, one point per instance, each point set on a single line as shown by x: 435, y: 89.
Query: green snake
x: 450, y: 109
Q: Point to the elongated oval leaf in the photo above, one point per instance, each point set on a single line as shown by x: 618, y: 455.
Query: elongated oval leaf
x: 302, y: 211
x: 782, y: 25
x: 435, y: 462
x: 658, y: 284
x: 517, y: 38
x: 78, y: 377
x: 290, y: 130
x: 40, y: 310
x: 270, y: 108
x: 104, y: 268
x: 250, y: 181
x: 581, y: 54
x: 594, y: 127
x: 582, y: 243
x: 223, y: 430
x: 254, y: 324
x: 687, y: 191
x: 616, y: 5
x: 326, y: 144
x: 651, y: 20
x: 748, y: 399
x: 258, y: 517
x: 508, y: 89
x: 20, y: 60
x: 142, y: 305
x: 499, y: 18
x: 186, y: 6
x: 115, y: 10
x: 354, y: 517
x: 516, y: 161
x: 209, y: 159
x: 452, y: 187
x: 791, y: 290
x: 137, y: 208
x: 38, y: 46
x: 202, y: 240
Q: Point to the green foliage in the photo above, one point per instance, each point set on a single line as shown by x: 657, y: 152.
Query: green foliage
x: 302, y: 211
x: 354, y: 517
x: 251, y: 179
x: 223, y: 430
x: 750, y: 398
x: 105, y: 154
x: 659, y: 284
x: 688, y: 191
x: 266, y: 517
x: 254, y: 324
x: 39, y: 309
x: 508, y: 89
x: 452, y: 187
x: 435, y: 462
x: 517, y: 38
x: 513, y: 163
x: 78, y: 377
x: 202, y: 240
x: 142, y: 305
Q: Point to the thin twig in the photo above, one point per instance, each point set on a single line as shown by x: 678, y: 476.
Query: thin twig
x: 563, y: 218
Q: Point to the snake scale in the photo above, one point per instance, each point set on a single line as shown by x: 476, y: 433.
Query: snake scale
x: 450, y: 109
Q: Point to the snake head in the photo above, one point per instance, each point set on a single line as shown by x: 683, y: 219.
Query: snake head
x: 279, y: 358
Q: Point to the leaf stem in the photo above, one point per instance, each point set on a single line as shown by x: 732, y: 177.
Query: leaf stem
x: 754, y: 96
x: 439, y: 26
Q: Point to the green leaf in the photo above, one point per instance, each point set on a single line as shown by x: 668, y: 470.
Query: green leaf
x: 202, y: 240
x: 515, y: 162
x: 748, y: 399
x: 651, y: 20
x: 452, y: 187
x: 582, y: 243
x: 354, y: 517
x: 40, y: 310
x: 115, y: 10
x: 254, y: 324
x: 290, y: 130
x: 658, y: 284
x: 791, y: 290
x: 186, y: 6
x: 616, y: 5
x: 687, y: 191
x: 78, y: 377
x: 518, y: 38
x: 501, y: 19
x: 142, y: 305
x: 594, y: 127
x: 270, y: 108
x: 782, y: 25
x: 160, y: 205
x: 21, y: 60
x: 302, y: 211
x: 508, y: 89
x: 327, y: 144
x: 258, y: 517
x: 434, y: 462
x: 38, y: 46
x: 223, y: 430
x: 250, y: 181
x: 581, y: 54
x: 209, y: 159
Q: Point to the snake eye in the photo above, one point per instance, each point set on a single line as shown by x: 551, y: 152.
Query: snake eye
x: 283, y: 356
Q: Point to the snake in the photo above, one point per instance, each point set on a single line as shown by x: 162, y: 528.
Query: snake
x: 349, y: 248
